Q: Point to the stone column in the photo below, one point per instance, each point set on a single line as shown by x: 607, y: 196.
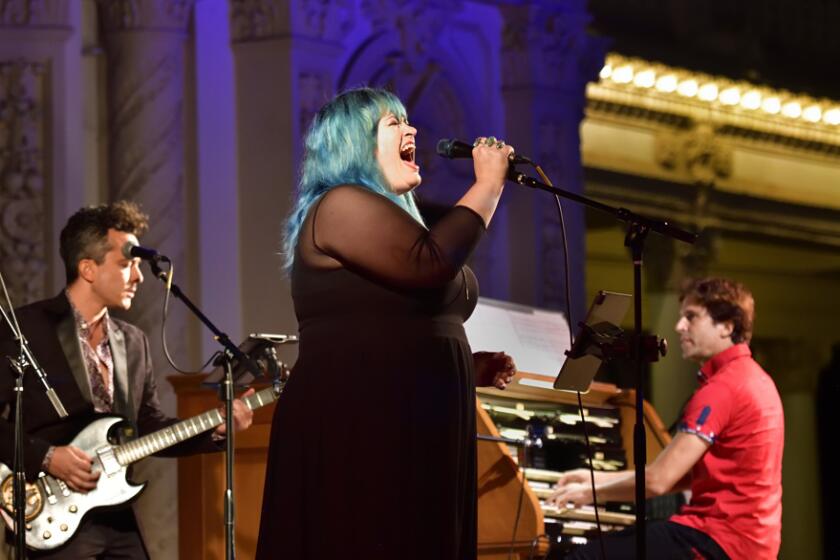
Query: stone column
x: 668, y: 263
x: 794, y: 365
x: 145, y: 51
x: 286, y: 57
x: 547, y: 60
x: 145, y: 41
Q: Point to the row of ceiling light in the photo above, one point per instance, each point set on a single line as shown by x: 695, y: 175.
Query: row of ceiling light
x: 670, y: 81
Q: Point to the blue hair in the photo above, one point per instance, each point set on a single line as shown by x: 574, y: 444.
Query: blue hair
x: 340, y: 149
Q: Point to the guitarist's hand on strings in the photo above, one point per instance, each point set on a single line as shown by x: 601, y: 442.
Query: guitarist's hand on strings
x: 74, y: 467
x: 242, y: 415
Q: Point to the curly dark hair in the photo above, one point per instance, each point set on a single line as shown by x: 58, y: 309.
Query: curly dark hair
x: 726, y: 301
x: 85, y: 236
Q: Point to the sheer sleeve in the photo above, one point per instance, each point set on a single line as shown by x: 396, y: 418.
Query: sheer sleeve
x: 369, y: 234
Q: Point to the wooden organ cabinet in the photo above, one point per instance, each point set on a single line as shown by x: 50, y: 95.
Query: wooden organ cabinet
x: 503, y: 500
x: 530, y: 407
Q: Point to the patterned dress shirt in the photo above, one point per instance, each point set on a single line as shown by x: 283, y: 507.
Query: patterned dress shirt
x: 98, y: 361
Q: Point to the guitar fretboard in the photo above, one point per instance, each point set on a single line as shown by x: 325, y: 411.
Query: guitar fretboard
x: 176, y: 433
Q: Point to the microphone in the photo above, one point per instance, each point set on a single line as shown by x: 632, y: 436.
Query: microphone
x: 132, y: 250
x: 456, y: 149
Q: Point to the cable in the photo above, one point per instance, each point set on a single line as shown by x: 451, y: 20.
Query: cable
x: 169, y: 281
x: 210, y: 360
x: 169, y: 276
x: 592, y: 480
x: 568, y: 290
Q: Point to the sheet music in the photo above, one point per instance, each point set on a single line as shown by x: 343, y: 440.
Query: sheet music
x: 536, y: 338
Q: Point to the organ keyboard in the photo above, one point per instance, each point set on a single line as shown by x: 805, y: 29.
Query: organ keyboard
x: 512, y: 513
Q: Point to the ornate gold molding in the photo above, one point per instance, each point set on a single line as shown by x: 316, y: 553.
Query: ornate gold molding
x: 695, y: 152
x: 732, y: 107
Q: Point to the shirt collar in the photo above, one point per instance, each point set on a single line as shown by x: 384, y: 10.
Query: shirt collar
x: 717, y: 362
x: 83, y: 327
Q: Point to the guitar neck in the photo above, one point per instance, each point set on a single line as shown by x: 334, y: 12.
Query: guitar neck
x: 176, y: 433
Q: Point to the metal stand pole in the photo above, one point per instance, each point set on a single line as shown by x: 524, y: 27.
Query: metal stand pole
x: 639, y: 227
x: 227, y: 389
x: 635, y: 240
x: 19, y: 472
x: 231, y: 352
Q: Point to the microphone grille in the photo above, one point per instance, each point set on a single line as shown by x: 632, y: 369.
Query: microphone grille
x: 126, y: 249
x: 444, y: 147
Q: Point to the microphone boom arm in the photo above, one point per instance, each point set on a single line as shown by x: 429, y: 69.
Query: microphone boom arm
x: 659, y: 226
x: 231, y: 349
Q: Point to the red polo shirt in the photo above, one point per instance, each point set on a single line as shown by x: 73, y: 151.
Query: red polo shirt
x: 736, y: 487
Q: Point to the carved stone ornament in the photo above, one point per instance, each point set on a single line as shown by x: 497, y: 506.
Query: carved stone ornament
x: 328, y: 20
x: 419, y: 23
x: 697, y: 153
x: 550, y: 42
x: 257, y: 20
x: 20, y: 13
x: 22, y: 184
x: 253, y: 20
x: 121, y: 15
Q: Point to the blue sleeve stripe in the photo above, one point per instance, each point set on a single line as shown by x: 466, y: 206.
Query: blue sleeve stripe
x: 704, y: 415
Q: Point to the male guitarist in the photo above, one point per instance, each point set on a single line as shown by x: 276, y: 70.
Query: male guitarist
x: 96, y: 364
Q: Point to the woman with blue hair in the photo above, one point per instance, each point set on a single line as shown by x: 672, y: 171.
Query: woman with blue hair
x: 372, y: 451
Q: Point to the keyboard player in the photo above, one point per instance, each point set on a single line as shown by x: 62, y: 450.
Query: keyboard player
x: 728, y: 449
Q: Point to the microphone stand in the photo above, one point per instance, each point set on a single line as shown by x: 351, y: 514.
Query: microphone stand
x: 230, y: 354
x: 24, y: 361
x: 644, y: 348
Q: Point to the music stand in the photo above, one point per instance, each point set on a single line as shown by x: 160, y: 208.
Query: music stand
x: 595, y: 342
x: 261, y: 348
x: 259, y: 355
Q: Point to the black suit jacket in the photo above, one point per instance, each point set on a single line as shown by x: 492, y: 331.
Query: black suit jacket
x: 50, y: 328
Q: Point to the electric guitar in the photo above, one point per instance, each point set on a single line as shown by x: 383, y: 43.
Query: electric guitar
x: 54, y: 511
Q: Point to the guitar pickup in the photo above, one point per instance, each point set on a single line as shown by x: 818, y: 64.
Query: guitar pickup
x: 65, y: 491
x: 45, y: 484
x: 108, y: 460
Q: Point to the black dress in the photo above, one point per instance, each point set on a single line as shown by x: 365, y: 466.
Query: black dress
x: 372, y: 452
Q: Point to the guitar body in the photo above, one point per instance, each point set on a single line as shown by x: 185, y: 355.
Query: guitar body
x: 54, y: 511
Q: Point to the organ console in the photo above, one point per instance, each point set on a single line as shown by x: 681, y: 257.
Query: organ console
x: 514, y: 480
x: 513, y: 521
